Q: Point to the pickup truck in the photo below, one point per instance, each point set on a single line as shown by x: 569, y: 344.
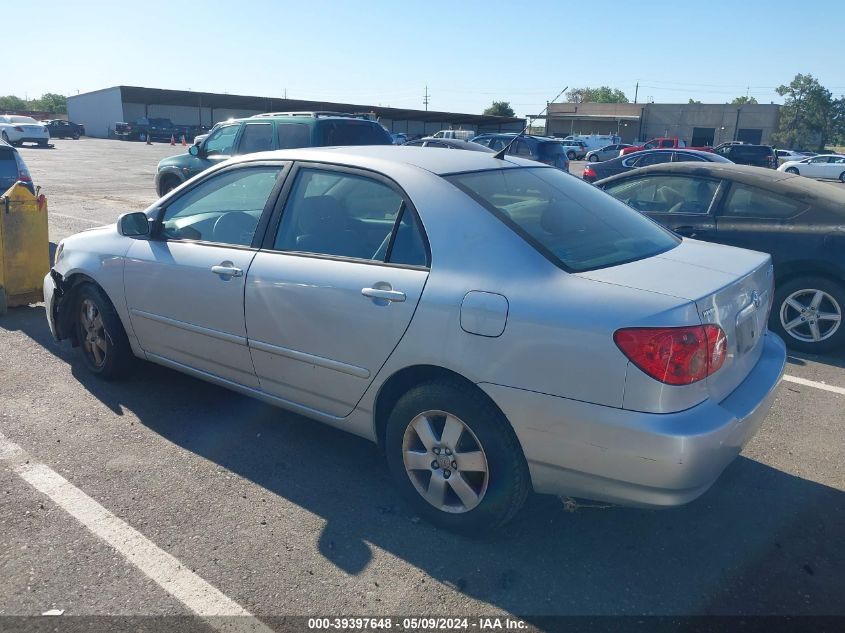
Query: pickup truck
x: 663, y: 142
x: 154, y: 128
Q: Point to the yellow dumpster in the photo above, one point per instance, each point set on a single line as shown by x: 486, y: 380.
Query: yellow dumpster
x: 24, y: 247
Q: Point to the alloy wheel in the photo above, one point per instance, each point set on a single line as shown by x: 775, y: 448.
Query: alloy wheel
x: 445, y: 461
x: 810, y: 315
x: 94, y: 332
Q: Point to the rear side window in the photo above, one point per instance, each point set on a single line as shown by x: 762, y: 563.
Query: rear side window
x: 8, y: 164
x: 665, y: 194
x: 293, y: 135
x: 256, y: 137
x: 751, y: 202
x: 549, y: 151
x: 573, y: 224
x: 353, y: 132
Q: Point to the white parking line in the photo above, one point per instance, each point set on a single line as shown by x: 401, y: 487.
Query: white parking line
x: 73, y: 217
x: 813, y: 383
x: 165, y: 570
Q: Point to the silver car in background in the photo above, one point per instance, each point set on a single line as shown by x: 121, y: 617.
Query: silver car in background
x: 605, y: 153
x: 496, y: 325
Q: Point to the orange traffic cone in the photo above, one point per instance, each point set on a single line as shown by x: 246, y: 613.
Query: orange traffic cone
x: 149, y: 140
x: 172, y: 139
x: 184, y: 141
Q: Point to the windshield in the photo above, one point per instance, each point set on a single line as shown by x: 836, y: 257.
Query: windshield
x: 575, y: 225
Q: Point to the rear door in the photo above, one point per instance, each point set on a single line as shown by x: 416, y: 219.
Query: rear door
x: 256, y: 137
x: 762, y: 220
x: 335, y: 286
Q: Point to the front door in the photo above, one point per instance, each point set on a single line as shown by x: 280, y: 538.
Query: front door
x: 185, y: 287
x: 681, y: 203
x: 333, y: 291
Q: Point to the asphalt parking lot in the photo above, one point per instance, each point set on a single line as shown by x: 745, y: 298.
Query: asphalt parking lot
x: 283, y: 516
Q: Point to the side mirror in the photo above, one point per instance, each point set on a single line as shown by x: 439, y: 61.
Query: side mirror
x: 194, y: 150
x: 136, y: 225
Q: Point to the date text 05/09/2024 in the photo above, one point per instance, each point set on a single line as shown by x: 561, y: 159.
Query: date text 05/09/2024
x: 416, y: 623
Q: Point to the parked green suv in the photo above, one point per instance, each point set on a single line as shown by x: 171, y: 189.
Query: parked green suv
x: 264, y: 132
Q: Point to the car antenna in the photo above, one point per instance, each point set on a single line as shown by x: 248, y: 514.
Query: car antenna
x: 500, y: 155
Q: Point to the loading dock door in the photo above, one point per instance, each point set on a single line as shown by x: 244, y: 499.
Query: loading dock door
x: 702, y: 136
x: 750, y: 135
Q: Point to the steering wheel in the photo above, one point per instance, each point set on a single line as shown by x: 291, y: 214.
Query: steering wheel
x: 234, y: 227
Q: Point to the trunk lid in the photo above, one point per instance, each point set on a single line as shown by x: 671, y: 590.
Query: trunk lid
x: 731, y: 287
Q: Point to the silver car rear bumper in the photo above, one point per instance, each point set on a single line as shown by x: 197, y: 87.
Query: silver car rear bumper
x: 586, y: 450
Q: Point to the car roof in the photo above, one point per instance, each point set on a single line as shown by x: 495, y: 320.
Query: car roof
x: 385, y: 158
x: 770, y: 179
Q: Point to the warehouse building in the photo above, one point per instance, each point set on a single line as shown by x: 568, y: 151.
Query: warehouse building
x: 698, y: 124
x: 98, y: 111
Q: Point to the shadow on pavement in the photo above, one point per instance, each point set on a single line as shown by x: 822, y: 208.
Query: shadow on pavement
x: 760, y: 541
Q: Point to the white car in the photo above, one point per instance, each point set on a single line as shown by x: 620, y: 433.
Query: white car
x: 15, y: 130
x: 788, y: 155
x: 830, y: 166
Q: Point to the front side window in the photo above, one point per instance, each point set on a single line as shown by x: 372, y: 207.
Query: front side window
x: 224, y: 209
x: 222, y: 140
x: 575, y: 225
x: 683, y: 157
x: 347, y: 215
x: 653, y: 159
x: 257, y: 137
x: 751, y: 202
x: 665, y: 194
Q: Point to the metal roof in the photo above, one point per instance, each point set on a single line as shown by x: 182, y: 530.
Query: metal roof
x: 137, y: 94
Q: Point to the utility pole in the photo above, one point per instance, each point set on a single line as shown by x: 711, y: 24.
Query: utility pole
x: 426, y: 98
x: 636, y: 90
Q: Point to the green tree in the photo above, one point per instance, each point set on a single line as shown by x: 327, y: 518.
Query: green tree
x: 602, y: 94
x: 11, y: 102
x: 499, y: 108
x: 744, y: 101
x: 693, y: 101
x: 807, y: 118
x: 50, y: 102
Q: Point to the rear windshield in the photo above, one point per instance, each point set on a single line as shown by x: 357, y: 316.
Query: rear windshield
x: 353, y: 132
x: 573, y: 224
x: 550, y: 150
x: 22, y: 119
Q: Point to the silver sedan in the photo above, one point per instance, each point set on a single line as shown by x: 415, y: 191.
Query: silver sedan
x: 496, y: 325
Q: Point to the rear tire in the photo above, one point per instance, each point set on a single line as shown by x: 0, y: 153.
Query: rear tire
x: 76, y: 136
x: 105, y: 348
x: 488, y: 481
x: 792, y: 170
x: 842, y: 177
x: 570, y: 155
x: 798, y: 321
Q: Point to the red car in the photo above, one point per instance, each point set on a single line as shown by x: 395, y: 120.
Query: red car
x: 663, y: 142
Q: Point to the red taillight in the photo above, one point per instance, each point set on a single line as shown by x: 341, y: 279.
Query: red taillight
x: 589, y: 172
x: 675, y: 355
x: 24, y: 177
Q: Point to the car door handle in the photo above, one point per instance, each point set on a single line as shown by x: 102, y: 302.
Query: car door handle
x: 689, y: 231
x: 387, y: 295
x: 228, y: 271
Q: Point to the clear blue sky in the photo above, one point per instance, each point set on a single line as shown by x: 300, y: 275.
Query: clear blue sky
x: 468, y: 52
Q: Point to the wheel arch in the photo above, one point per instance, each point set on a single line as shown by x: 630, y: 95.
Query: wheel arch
x: 801, y: 268
x: 70, y: 286
x: 405, y: 379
